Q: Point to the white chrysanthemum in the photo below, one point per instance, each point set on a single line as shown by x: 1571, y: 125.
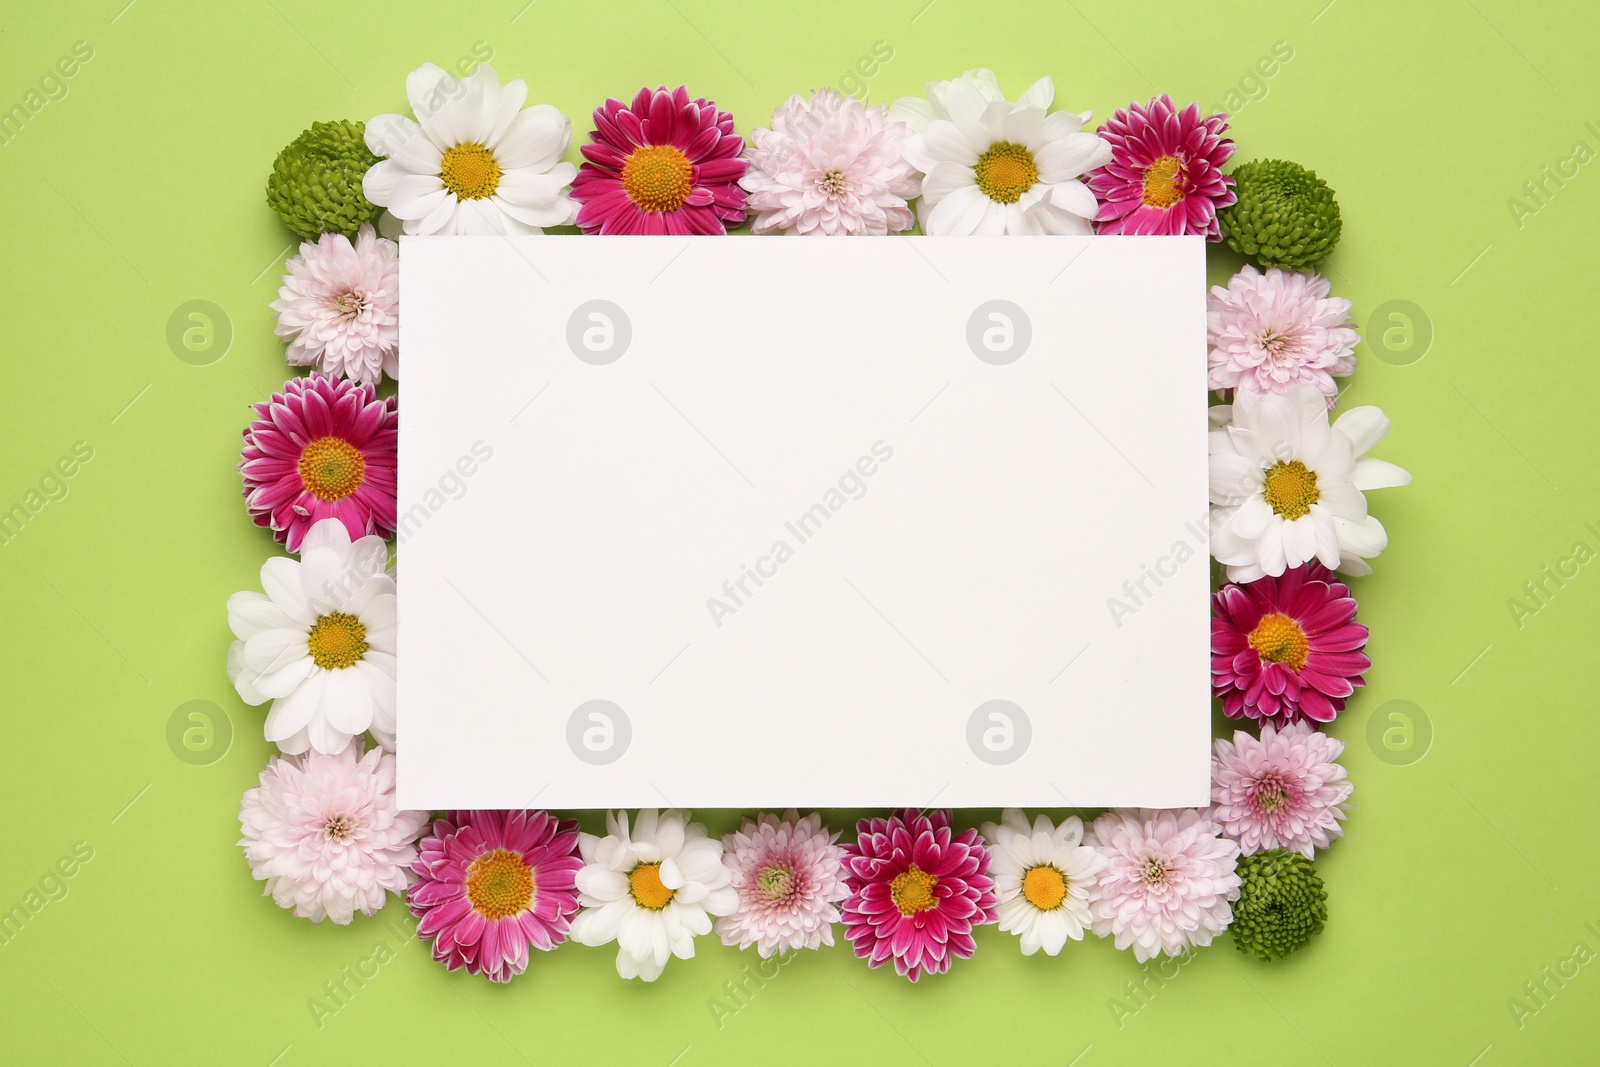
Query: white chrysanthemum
x: 477, y: 163
x: 323, y: 832
x: 339, y: 307
x: 1168, y: 883
x: 996, y: 167
x: 1043, y: 876
x: 320, y: 643
x: 830, y: 165
x: 1287, y: 488
x: 652, y: 891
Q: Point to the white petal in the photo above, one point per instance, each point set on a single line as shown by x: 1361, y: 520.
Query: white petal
x: 538, y: 137
x: 426, y: 88
x: 346, y: 703
x: 1365, y: 426
x: 415, y: 195
x: 1074, y: 197
x: 326, y: 533
x: 1372, y: 473
x: 1020, y: 124
x: 914, y: 111
x: 280, y: 577
x: 1040, y: 94
x: 1362, y: 539
x: 1071, y: 157
x: 1300, y: 540
x: 959, y: 214
x: 507, y: 104
x: 285, y: 679
x: 292, y: 713
x: 272, y: 650
x: 250, y: 613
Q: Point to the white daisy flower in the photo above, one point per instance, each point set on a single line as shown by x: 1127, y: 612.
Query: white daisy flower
x: 473, y: 162
x: 1287, y: 488
x: 652, y: 891
x: 997, y: 167
x: 1042, y: 878
x: 320, y: 643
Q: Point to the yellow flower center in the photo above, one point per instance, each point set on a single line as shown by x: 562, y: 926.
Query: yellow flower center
x: 1044, y: 886
x: 337, y: 641
x: 1005, y: 172
x: 1280, y: 639
x: 499, y: 884
x: 332, y: 468
x: 657, y: 177
x: 1163, y: 182
x: 470, y: 171
x: 1291, y: 488
x: 912, y: 890
x: 645, y: 884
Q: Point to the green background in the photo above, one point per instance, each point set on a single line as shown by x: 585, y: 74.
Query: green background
x: 1470, y: 862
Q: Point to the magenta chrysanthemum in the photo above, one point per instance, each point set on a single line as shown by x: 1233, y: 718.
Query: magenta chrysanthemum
x: 789, y: 875
x: 1168, y: 881
x: 321, y: 449
x: 1287, y: 647
x: 831, y: 165
x: 663, y: 164
x: 1269, y: 331
x: 1165, y: 175
x: 491, y: 884
x: 916, y: 891
x: 323, y: 832
x: 1284, y: 790
x: 339, y: 307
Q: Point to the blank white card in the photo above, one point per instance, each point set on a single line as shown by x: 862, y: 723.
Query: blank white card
x: 825, y: 523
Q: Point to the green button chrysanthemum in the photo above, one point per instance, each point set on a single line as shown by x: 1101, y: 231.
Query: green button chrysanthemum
x: 1285, y: 216
x: 1281, y: 904
x: 315, y: 185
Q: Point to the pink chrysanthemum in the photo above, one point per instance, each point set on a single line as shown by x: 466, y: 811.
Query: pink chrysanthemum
x: 321, y: 449
x: 1285, y: 790
x: 1168, y: 881
x: 323, y: 832
x: 663, y: 164
x: 789, y: 875
x: 1287, y: 647
x: 831, y: 165
x: 492, y: 883
x: 339, y: 307
x: 1165, y: 175
x: 916, y: 891
x: 1269, y: 331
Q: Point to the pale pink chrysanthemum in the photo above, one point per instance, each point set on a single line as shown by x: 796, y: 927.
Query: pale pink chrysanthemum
x: 1269, y: 331
x: 830, y: 165
x: 1283, y: 790
x: 789, y: 875
x: 493, y: 884
x: 323, y: 832
x: 339, y: 307
x: 1168, y: 881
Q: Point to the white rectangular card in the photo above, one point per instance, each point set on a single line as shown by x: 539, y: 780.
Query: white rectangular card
x: 828, y: 523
